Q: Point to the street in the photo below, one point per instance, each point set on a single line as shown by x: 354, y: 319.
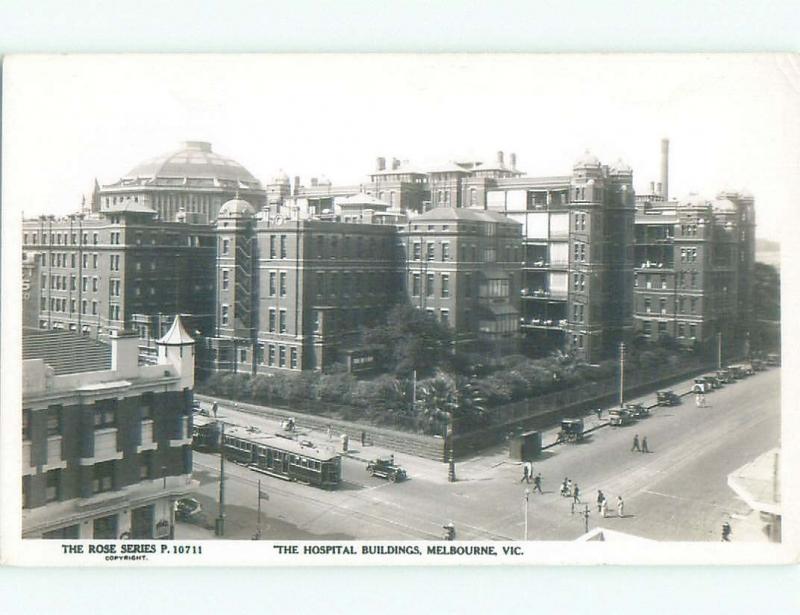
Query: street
x: 678, y: 491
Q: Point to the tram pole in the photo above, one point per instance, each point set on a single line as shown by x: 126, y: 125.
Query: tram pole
x: 258, y: 523
x: 219, y: 528
x: 621, y: 373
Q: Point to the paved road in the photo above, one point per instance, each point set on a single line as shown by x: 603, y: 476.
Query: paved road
x: 677, y: 492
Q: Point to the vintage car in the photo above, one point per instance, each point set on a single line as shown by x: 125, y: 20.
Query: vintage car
x: 724, y: 376
x: 667, y: 398
x: 737, y: 371
x: 715, y: 382
x: 758, y: 365
x: 701, y: 385
x: 637, y: 411
x: 187, y: 508
x: 385, y: 467
x: 619, y: 417
x: 571, y: 430
x: 773, y: 359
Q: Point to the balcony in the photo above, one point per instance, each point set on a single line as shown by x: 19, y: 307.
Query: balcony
x: 542, y: 293
x: 541, y: 323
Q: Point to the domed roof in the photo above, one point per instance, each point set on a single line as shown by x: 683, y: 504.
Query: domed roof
x: 194, y: 160
x: 587, y: 160
x: 620, y: 167
x: 280, y: 178
x: 236, y: 208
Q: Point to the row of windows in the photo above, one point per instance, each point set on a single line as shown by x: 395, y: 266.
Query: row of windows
x: 662, y: 305
x: 59, y: 304
x: 430, y: 283
x: 348, y: 283
x: 683, y: 330
x: 688, y: 255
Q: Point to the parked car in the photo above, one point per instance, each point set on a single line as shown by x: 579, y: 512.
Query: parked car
x: 773, y: 359
x: 667, y: 398
x: 385, y: 467
x: 758, y: 365
x: 637, y: 411
x: 714, y: 382
x: 187, y: 508
x: 701, y: 385
x: 571, y: 430
x: 619, y: 417
x: 724, y: 376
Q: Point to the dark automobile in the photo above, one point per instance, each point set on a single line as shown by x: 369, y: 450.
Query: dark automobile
x: 715, y: 382
x: 571, y: 430
x: 385, y: 467
x: 186, y: 508
x: 637, y: 411
x: 667, y: 398
x: 773, y: 359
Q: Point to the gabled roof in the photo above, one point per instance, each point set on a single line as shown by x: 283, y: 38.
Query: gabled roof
x: 177, y: 335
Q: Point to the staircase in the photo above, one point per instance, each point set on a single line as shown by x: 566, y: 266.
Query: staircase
x: 66, y: 352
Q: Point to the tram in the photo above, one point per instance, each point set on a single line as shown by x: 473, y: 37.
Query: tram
x: 274, y: 455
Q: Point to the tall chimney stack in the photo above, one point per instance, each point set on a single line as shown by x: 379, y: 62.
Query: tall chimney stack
x: 665, y: 169
x: 500, y: 157
x: 381, y: 163
x: 514, y: 161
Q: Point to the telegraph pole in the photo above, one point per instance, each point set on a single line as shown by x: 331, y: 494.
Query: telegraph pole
x: 527, y: 499
x: 219, y: 529
x: 621, y: 373
x: 719, y: 350
x: 586, y: 518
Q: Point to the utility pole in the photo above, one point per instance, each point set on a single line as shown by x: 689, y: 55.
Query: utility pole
x: 621, y: 373
x: 527, y: 499
x: 219, y: 529
x: 586, y: 518
x: 719, y: 350
x: 451, y: 463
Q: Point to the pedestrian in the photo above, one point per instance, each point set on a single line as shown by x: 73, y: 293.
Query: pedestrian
x: 644, y: 445
x: 620, y: 507
x: 600, y: 499
x: 525, y: 473
x: 565, y: 487
x: 635, y: 446
x: 599, y: 413
x: 330, y: 432
x: 214, y: 408
x: 702, y: 400
x: 604, y: 508
x: 697, y: 399
x: 576, y: 494
x: 363, y: 438
x: 537, y: 483
x: 726, y: 532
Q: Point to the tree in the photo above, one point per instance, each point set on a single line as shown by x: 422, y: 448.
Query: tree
x: 412, y: 340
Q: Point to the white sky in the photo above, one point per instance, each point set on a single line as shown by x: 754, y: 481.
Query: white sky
x: 732, y: 120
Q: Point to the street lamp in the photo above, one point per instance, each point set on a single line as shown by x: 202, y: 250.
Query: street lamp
x: 451, y: 464
x: 527, y: 500
x: 621, y: 373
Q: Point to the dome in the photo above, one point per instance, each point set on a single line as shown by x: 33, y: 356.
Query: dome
x: 587, y: 160
x: 236, y: 208
x: 194, y: 160
x: 280, y: 178
x: 620, y: 167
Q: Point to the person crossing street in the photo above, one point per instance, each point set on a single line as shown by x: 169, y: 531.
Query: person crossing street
x: 644, y: 445
x: 537, y: 483
x: 576, y: 494
x: 635, y: 446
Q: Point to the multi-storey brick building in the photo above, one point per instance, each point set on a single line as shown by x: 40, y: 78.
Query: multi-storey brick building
x: 106, y: 453
x: 462, y: 267
x: 693, y: 276
x: 120, y: 269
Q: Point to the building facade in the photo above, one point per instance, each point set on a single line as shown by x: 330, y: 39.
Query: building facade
x: 106, y: 453
x: 462, y: 267
x: 694, y: 266
x: 120, y: 269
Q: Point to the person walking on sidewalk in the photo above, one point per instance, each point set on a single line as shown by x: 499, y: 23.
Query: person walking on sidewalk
x: 576, y: 494
x: 644, y: 445
x: 635, y: 446
x: 525, y: 473
x: 600, y: 499
x: 604, y: 508
x: 620, y: 507
x: 537, y: 483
